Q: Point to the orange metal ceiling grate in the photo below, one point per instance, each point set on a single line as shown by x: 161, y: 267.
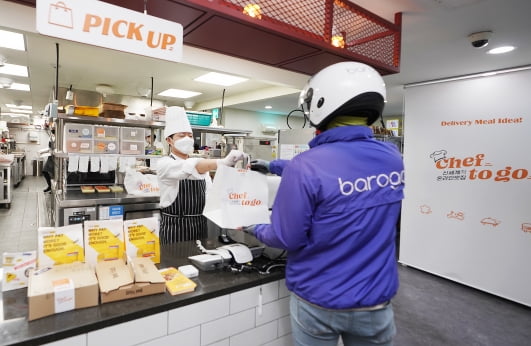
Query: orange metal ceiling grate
x: 363, y: 35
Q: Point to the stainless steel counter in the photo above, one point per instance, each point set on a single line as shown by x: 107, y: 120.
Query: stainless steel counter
x: 75, y: 198
x: 75, y: 206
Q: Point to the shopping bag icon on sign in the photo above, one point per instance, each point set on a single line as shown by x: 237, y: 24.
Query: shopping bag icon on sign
x: 60, y: 14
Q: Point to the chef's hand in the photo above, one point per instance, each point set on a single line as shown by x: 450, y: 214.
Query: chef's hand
x: 261, y: 166
x: 233, y: 157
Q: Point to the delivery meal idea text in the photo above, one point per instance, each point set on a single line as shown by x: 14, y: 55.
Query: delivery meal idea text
x: 476, y: 167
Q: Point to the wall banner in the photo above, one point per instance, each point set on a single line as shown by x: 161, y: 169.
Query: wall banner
x: 101, y: 24
x: 467, y: 211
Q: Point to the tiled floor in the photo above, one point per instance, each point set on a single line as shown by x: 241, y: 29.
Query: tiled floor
x: 28, y: 211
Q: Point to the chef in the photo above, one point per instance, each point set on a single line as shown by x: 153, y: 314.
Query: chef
x: 184, y: 181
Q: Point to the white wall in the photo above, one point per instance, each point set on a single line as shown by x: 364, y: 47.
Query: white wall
x: 31, y: 149
x: 466, y: 213
x: 244, y: 120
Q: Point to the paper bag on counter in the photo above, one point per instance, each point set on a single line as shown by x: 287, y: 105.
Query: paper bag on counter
x: 238, y: 197
x: 137, y: 183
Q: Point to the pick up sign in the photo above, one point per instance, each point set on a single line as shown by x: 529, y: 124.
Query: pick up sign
x: 105, y: 25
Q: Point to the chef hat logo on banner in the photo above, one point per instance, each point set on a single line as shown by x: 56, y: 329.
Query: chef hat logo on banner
x: 176, y: 121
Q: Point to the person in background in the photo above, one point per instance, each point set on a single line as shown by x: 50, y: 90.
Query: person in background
x: 48, y: 169
x: 183, y: 181
x: 336, y: 212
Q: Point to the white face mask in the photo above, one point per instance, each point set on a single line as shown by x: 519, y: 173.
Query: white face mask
x: 184, y: 145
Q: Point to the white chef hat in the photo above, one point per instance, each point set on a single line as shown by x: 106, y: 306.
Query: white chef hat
x: 176, y: 121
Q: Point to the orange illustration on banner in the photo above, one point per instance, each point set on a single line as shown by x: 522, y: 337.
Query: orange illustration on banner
x: 60, y: 14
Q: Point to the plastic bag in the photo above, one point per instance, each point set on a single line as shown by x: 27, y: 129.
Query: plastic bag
x: 238, y: 197
x: 137, y: 183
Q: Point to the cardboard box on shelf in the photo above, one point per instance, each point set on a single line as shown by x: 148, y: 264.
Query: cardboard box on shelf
x: 104, y: 240
x: 142, y: 238
x: 119, y: 281
x: 61, y: 288
x: 59, y: 245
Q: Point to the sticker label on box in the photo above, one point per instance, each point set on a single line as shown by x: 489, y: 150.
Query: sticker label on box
x: 64, y: 295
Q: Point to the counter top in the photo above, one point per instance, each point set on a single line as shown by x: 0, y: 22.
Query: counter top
x: 15, y: 328
x: 75, y: 198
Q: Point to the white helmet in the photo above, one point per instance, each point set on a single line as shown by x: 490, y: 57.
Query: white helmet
x: 345, y: 88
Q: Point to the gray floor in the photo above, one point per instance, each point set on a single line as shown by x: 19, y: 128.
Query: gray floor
x: 429, y: 310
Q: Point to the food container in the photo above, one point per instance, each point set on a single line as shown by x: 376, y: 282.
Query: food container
x: 78, y: 145
x: 133, y: 134
x: 132, y: 147
x: 85, y: 110
x: 113, y: 110
x: 106, y: 147
x: 78, y: 131
x: 108, y: 133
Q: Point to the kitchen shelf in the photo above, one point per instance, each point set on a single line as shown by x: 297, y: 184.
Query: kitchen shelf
x: 144, y: 124
x: 6, y: 183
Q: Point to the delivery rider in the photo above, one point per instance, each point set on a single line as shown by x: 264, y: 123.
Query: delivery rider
x: 183, y: 181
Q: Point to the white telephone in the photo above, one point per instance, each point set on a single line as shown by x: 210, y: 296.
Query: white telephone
x: 239, y: 252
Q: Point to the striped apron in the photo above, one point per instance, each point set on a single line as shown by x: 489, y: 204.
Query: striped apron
x: 183, y: 220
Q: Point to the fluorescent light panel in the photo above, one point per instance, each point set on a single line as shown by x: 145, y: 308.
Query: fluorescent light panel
x: 19, y: 86
x: 14, y: 70
x: 10, y: 105
x: 16, y: 110
x: 178, y: 93
x: 501, y: 50
x: 220, y: 79
x: 12, y: 40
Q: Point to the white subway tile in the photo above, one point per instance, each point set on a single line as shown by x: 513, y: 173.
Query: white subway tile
x: 284, y: 325
x: 272, y: 311
x: 244, y: 300
x: 282, y: 289
x: 282, y: 341
x: 227, y: 326
x: 192, y: 315
x: 188, y: 337
x: 78, y: 340
x: 270, y: 292
x: 132, y: 332
x: 224, y: 342
x: 257, y: 336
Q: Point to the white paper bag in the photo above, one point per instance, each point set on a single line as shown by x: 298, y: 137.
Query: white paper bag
x: 137, y: 183
x: 238, y: 197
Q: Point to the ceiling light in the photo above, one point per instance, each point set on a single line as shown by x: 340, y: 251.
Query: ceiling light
x: 177, y: 93
x: 268, y: 107
x: 253, y: 10
x: 338, y: 41
x: 14, y: 70
x: 220, y: 79
x: 10, y: 105
x: 12, y: 40
x: 20, y: 86
x: 3, y: 60
x: 501, y: 50
x: 21, y: 111
x: 5, y: 83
